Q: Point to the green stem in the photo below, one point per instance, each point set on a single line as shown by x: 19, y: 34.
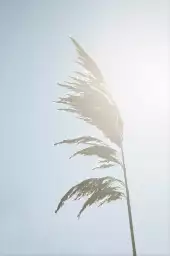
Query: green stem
x: 129, y: 206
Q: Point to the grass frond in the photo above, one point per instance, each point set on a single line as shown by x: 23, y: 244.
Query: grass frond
x: 97, y: 190
x: 90, y: 100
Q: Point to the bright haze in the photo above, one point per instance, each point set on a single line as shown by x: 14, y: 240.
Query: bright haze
x: 129, y: 42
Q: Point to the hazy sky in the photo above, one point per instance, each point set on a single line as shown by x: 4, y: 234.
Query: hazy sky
x: 129, y: 41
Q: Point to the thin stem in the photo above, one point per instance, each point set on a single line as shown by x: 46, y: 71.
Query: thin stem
x: 129, y: 206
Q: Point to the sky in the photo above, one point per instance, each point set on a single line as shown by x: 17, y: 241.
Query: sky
x: 129, y: 41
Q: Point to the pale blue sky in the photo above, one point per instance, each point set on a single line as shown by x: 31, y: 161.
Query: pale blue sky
x: 129, y: 41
